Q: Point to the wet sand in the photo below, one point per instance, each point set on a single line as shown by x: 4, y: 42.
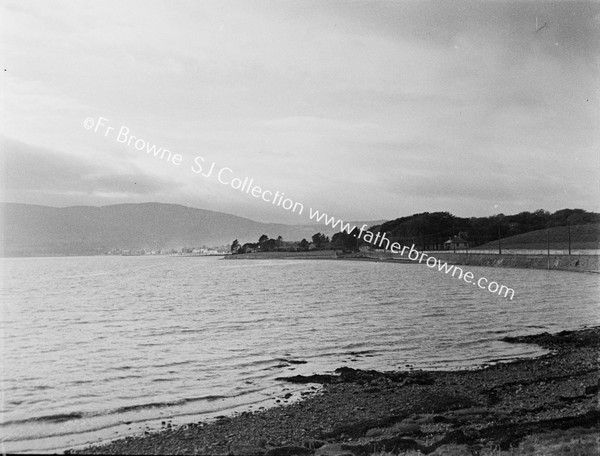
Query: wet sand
x: 490, y: 410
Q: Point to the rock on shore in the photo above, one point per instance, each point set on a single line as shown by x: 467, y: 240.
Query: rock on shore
x: 487, y: 411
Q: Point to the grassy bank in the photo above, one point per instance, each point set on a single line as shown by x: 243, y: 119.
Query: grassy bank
x: 546, y: 405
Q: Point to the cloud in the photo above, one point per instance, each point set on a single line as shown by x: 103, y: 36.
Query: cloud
x: 38, y: 170
x: 363, y: 109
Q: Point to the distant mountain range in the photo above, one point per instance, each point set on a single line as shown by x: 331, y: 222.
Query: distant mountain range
x: 31, y: 230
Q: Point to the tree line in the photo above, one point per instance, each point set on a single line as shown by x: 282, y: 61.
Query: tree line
x: 429, y: 231
x: 318, y: 241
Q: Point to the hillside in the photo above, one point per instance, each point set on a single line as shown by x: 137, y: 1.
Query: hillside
x: 42, y: 230
x: 582, y: 237
x: 429, y: 230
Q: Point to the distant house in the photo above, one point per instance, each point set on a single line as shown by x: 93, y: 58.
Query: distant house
x: 456, y: 243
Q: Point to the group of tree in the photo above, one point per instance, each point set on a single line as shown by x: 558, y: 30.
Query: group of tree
x: 264, y: 244
x: 346, y: 242
x: 320, y: 241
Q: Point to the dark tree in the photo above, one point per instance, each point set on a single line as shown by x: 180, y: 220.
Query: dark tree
x: 347, y: 242
x: 320, y: 240
x: 262, y: 241
x: 270, y: 245
x: 304, y: 244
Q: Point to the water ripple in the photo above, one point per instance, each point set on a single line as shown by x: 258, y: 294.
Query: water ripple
x: 93, y: 342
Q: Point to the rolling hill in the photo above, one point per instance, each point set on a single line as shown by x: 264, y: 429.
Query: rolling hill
x: 82, y: 230
x: 582, y: 237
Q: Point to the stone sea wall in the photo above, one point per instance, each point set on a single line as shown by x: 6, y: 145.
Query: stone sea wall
x: 315, y: 254
x: 578, y: 263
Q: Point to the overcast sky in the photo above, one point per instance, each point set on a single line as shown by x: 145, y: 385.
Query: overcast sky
x: 365, y: 110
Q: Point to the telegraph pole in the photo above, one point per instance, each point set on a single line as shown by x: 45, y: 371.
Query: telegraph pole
x: 569, y: 232
x: 548, y: 243
x: 453, y: 239
x: 499, y: 242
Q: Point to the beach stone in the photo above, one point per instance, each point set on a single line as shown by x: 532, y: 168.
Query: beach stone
x: 593, y: 389
x: 375, y: 432
x: 314, y: 443
x: 424, y: 419
x: 439, y: 419
x: 406, y: 428
x: 333, y: 449
x: 471, y: 411
x: 452, y: 450
x: 289, y: 451
x: 246, y: 450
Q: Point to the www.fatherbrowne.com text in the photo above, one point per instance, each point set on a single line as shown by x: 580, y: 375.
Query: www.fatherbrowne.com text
x: 226, y: 176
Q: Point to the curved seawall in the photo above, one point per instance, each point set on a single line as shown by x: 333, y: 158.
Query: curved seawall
x: 563, y: 262
x: 577, y: 263
x: 315, y: 254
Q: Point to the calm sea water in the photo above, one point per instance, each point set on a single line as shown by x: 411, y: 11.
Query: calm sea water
x: 96, y: 348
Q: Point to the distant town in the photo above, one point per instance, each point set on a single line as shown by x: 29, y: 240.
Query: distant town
x: 185, y: 251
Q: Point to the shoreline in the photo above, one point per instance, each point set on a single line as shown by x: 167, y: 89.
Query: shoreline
x: 587, y: 264
x: 357, y: 412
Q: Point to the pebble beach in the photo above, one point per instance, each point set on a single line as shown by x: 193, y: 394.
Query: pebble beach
x: 507, y: 408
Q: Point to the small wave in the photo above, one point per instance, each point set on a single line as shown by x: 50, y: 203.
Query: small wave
x: 278, y: 366
x: 291, y: 361
x: 176, y: 363
x: 352, y: 345
x: 122, y: 377
x: 133, y: 408
x: 149, y: 405
x: 41, y: 387
x: 474, y: 342
x: 361, y: 352
x: 57, y: 418
x: 63, y: 417
x: 439, y: 313
x: 259, y: 362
